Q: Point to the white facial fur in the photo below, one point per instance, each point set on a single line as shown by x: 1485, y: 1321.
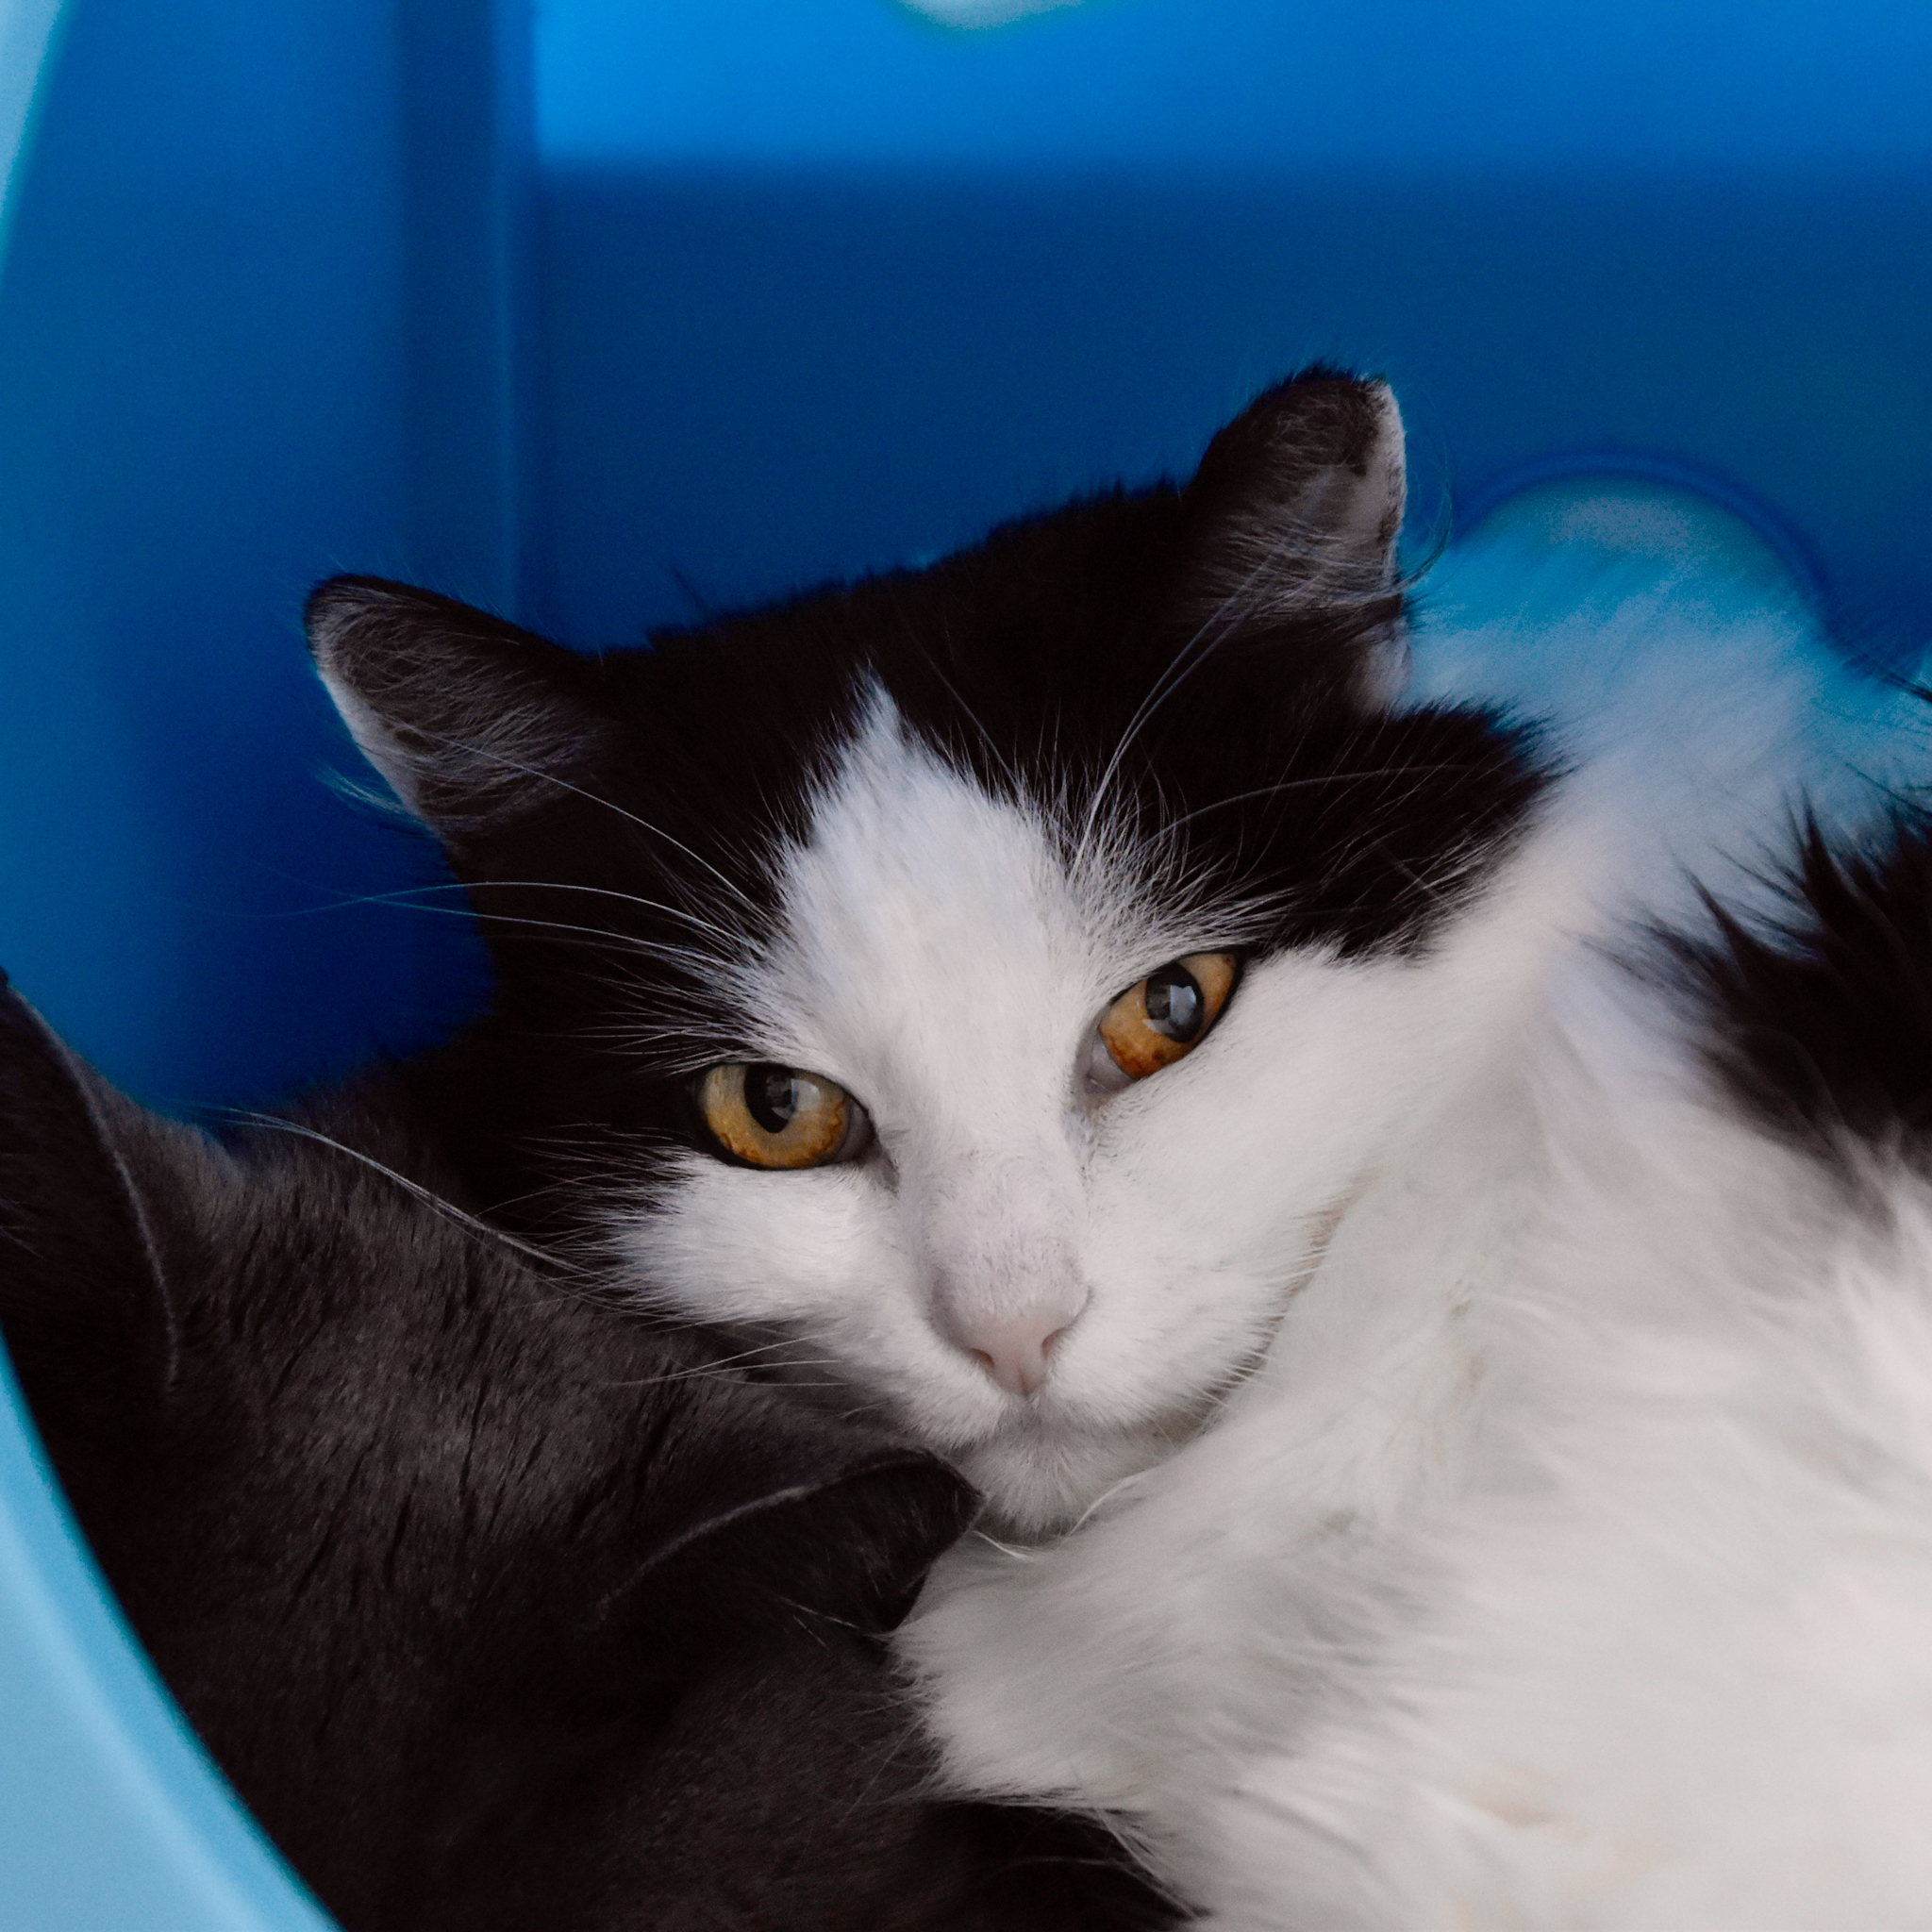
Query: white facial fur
x: 937, y: 959
x: 1658, y: 1658
x: 1535, y: 1582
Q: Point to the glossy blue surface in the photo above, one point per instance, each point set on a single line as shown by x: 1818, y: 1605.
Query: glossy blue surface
x: 660, y: 306
x: 212, y: 394
x: 826, y: 287
x: 112, y: 1817
x: 1234, y: 84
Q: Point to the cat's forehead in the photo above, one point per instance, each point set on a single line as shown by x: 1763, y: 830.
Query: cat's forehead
x: 928, y: 917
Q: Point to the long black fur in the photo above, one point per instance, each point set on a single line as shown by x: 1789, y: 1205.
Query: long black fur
x: 1821, y: 1027
x: 1134, y: 660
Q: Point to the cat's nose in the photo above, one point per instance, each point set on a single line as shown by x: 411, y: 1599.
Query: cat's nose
x: 1015, y: 1349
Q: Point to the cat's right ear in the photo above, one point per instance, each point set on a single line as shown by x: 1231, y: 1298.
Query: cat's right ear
x: 465, y: 716
x: 1293, y: 519
x: 87, y: 1228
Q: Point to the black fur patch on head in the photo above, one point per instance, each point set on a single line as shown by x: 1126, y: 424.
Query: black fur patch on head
x: 1822, y: 1028
x: 1200, y: 673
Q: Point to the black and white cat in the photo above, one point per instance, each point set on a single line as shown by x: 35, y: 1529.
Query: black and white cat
x: 501, y: 1607
x: 914, y: 839
x: 1095, y: 989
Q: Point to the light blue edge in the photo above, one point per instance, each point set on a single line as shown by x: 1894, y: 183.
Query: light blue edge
x: 62, y: 1634
x: 66, y: 1651
x: 28, y: 32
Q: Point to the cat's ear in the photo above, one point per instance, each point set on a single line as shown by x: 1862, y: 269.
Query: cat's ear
x: 88, y: 1222
x: 1295, y: 511
x: 770, y: 1508
x: 465, y: 716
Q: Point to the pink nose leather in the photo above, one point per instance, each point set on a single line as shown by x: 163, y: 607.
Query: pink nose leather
x: 1013, y: 1349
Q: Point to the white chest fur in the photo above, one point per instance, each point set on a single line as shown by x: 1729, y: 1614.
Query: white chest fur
x: 1556, y: 1570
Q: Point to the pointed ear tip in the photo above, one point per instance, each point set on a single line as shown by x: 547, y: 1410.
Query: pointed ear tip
x: 331, y: 607
x: 30, y: 1048
x: 1321, y: 406
x: 1378, y: 394
x: 337, y: 593
x: 338, y: 605
x: 1372, y: 430
x: 1335, y: 376
x: 19, y: 1015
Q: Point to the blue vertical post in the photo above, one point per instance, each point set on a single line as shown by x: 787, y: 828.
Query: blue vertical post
x: 261, y: 291
x: 465, y: 94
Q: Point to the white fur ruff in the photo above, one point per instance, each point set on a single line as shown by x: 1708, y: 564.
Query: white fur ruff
x: 1568, y: 1561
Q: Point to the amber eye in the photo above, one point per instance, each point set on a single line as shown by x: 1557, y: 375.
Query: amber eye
x: 1153, y: 1024
x: 771, y: 1116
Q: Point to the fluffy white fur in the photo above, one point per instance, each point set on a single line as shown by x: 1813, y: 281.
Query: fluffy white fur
x: 1569, y: 1563
x: 1559, y: 1553
x: 1597, y: 1593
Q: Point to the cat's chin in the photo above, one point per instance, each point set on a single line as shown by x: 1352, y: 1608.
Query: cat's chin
x: 1038, y: 1482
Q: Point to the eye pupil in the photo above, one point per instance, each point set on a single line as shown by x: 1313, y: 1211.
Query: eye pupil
x: 771, y: 1095
x: 1176, y: 1006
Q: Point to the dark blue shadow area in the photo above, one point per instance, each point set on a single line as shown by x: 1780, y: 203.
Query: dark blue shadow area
x: 202, y: 411
x: 752, y: 379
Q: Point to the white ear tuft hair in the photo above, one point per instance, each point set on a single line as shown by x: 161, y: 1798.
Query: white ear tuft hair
x: 1297, y: 506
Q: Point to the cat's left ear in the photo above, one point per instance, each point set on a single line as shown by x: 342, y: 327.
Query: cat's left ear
x: 1294, y: 514
x: 467, y: 717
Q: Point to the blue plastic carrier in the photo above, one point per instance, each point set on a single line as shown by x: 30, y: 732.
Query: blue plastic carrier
x: 616, y: 310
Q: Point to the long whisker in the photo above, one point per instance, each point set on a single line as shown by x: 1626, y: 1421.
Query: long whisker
x: 503, y: 759
x: 972, y: 717
x: 714, y: 1372
x: 1322, y: 778
x: 448, y: 1210
x: 622, y: 940
x: 1221, y: 623
x: 700, y: 962
x: 407, y: 895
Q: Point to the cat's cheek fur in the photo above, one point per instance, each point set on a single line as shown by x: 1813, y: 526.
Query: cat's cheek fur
x: 815, y: 1256
x: 1201, y: 1201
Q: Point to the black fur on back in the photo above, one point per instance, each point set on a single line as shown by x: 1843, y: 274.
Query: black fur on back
x: 502, y: 1608
x: 1822, y: 1028
x: 1199, y: 668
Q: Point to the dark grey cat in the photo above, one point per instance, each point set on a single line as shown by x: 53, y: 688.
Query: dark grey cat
x: 500, y: 1607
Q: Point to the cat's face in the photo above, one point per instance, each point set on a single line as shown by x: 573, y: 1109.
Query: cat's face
x: 1048, y: 1264
x: 1041, y: 950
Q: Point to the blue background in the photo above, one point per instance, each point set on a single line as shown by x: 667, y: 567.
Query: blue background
x: 604, y: 312
x: 628, y: 309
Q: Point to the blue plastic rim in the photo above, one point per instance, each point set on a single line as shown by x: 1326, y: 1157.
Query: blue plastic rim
x: 599, y: 313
